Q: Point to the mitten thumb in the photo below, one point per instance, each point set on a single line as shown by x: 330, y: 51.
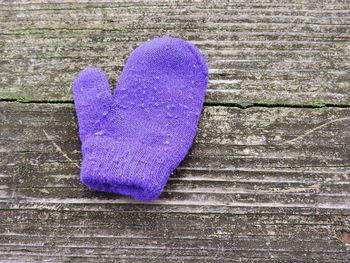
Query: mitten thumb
x: 92, y: 98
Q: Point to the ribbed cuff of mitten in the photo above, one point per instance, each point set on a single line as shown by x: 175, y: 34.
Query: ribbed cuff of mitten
x: 125, y: 168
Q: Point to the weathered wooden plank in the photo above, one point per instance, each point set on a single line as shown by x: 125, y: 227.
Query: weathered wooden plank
x: 259, y: 185
x: 262, y: 52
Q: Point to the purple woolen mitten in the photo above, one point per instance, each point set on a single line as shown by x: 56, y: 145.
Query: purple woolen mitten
x: 133, y: 140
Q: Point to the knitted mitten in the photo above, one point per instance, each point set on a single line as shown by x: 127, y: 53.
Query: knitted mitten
x: 133, y: 140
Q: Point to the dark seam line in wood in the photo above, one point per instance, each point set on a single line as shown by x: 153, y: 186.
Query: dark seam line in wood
x: 274, y: 105
x: 207, y: 104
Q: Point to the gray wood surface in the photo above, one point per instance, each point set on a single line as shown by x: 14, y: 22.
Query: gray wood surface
x: 259, y: 52
x: 268, y: 177
x: 259, y: 185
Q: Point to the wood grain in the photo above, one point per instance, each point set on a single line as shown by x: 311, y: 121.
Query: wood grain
x: 259, y: 52
x: 269, y: 183
x: 259, y: 185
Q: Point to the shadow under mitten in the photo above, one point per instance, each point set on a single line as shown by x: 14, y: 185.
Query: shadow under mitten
x: 133, y: 140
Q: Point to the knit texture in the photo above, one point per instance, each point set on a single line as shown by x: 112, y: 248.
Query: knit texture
x: 133, y: 140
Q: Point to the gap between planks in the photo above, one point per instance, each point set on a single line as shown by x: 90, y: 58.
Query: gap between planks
x: 206, y: 104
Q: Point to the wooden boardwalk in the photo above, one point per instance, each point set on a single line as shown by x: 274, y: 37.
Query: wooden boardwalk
x: 268, y: 177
